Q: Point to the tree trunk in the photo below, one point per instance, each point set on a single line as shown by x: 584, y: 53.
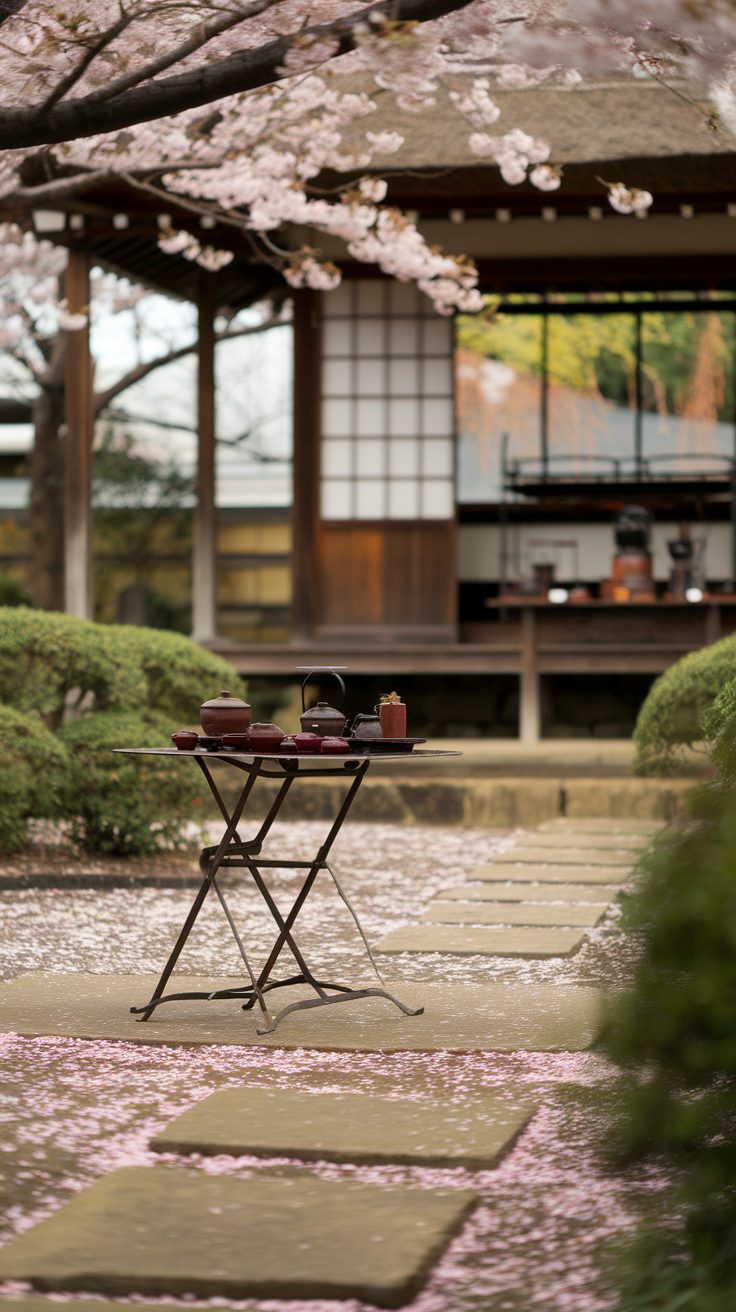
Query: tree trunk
x: 46, y: 513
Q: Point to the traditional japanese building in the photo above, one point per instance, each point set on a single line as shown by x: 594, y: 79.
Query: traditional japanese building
x: 456, y: 492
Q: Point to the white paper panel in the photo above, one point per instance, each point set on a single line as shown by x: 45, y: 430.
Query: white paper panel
x: 337, y: 338
x: 403, y: 499
x: 369, y: 499
x: 337, y: 418
x: 337, y: 499
x: 403, y: 377
x: 370, y: 377
x: 403, y: 458
x: 438, y: 336
x: 371, y: 459
x: 437, y: 457
x: 403, y: 417
x: 337, y: 458
x: 403, y: 336
x: 370, y: 417
x: 370, y: 335
x: 438, y: 419
x: 437, y: 378
x: 438, y: 500
x: 337, y: 377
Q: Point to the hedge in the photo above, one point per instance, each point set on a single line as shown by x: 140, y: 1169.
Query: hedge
x: 673, y: 715
x: 84, y: 688
x: 126, y: 805
x: 33, y: 766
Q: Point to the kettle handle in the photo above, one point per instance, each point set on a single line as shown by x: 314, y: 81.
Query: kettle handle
x: 335, y: 675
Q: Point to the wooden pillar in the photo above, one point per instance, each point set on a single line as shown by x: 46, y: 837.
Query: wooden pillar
x: 306, y: 466
x: 204, y: 565
x: 78, y: 449
x: 530, y: 729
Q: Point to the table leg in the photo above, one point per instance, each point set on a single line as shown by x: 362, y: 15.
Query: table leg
x: 196, y: 906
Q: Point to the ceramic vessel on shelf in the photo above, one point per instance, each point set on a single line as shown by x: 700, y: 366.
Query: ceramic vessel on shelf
x: 331, y: 746
x: 225, y: 714
x: 308, y: 742
x: 185, y: 740
x: 265, y: 737
x: 367, y: 726
x: 392, y: 716
x: 288, y: 746
x: 322, y: 719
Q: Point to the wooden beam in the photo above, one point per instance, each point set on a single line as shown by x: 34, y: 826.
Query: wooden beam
x: 305, y: 609
x: 204, y: 565
x: 78, y: 453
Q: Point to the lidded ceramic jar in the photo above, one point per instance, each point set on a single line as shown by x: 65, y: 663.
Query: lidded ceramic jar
x: 265, y: 737
x: 225, y: 714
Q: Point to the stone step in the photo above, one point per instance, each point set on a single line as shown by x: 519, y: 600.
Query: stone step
x: 457, y: 1017
x: 597, y: 895
x: 549, y: 874
x: 600, y: 825
x: 590, y: 842
x: 571, y: 856
x: 482, y: 942
x: 510, y: 913
x: 157, y: 1231
x: 354, y: 1127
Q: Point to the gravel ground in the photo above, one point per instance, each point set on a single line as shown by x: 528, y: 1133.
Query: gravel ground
x: 74, y: 1110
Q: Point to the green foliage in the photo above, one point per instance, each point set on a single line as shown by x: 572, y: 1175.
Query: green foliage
x: 33, y: 766
x: 179, y: 675
x: 115, y: 686
x: 48, y: 660
x: 12, y: 593
x: 674, y: 713
x: 126, y: 805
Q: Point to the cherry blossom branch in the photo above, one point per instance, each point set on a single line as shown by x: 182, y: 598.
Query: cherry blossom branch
x: 201, y: 37
x: 243, y: 71
x: 95, y: 48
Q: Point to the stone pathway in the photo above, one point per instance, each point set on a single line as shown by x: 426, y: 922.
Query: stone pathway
x: 170, y: 1231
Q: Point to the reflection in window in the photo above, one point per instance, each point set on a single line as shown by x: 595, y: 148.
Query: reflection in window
x: 623, y: 380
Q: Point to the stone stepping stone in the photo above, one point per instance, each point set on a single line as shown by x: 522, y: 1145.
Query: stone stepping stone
x: 598, y: 895
x: 511, y: 913
x: 569, y: 856
x: 550, y: 874
x: 585, y: 825
x: 457, y: 1017
x: 157, y: 1231
x: 482, y: 942
x: 590, y: 842
x: 354, y: 1127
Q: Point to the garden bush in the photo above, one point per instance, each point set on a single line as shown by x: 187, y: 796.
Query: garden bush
x: 673, y: 715
x: 33, y: 766
x: 178, y: 674
x: 126, y: 805
x: 48, y: 659
x: 100, y: 686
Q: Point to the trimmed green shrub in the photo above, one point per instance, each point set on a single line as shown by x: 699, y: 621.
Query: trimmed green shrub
x: 33, y: 766
x: 673, y: 714
x: 675, y: 1030
x: 126, y: 805
x: 49, y: 659
x: 179, y: 674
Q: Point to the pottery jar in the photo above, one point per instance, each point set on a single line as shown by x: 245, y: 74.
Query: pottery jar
x: 322, y: 719
x: 265, y: 737
x: 225, y: 714
x: 367, y: 726
x: 185, y: 740
x: 334, y: 746
x: 308, y: 742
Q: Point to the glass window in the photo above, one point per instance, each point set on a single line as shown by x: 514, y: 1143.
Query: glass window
x: 591, y: 371
x: 687, y: 386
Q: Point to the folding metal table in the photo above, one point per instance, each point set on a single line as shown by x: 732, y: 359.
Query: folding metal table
x: 235, y: 852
